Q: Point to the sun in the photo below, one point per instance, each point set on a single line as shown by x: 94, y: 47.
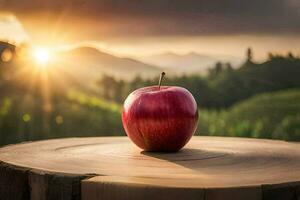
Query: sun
x: 41, y: 55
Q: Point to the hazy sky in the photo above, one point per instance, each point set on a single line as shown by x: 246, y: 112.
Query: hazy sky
x: 151, y: 26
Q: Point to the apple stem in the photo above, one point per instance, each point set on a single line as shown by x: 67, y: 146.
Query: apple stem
x: 160, y: 79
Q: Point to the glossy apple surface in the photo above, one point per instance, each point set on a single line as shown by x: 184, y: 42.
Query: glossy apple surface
x: 160, y: 119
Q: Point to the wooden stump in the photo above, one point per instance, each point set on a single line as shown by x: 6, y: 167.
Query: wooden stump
x: 208, y: 168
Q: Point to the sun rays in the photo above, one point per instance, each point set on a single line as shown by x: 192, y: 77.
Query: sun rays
x: 40, y: 75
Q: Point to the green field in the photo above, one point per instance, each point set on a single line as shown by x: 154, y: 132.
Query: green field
x: 270, y: 115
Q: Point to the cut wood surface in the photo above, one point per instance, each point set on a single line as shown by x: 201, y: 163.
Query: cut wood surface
x: 208, y: 168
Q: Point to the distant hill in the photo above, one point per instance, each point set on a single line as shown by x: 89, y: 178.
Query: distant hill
x: 269, y: 115
x: 278, y: 112
x: 188, y: 63
x: 87, y: 64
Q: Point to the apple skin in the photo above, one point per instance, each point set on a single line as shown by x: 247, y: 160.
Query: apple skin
x: 160, y: 119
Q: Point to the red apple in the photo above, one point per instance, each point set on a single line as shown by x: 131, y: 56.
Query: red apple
x: 160, y: 118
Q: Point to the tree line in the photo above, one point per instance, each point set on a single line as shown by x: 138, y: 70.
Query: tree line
x: 223, y: 86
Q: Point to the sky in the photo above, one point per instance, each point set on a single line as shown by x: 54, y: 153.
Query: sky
x: 143, y: 27
x: 11, y: 29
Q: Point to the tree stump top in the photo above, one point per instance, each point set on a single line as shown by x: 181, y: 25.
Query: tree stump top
x: 204, y: 162
x: 114, y: 168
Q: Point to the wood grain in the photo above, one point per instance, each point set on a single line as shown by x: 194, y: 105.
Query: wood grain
x: 209, y: 168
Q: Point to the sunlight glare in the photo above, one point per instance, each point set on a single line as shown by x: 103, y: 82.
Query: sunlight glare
x: 41, y: 55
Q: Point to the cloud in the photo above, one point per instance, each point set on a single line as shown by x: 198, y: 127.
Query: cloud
x: 168, y: 17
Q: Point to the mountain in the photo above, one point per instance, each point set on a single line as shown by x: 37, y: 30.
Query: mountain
x: 87, y: 64
x: 188, y: 63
